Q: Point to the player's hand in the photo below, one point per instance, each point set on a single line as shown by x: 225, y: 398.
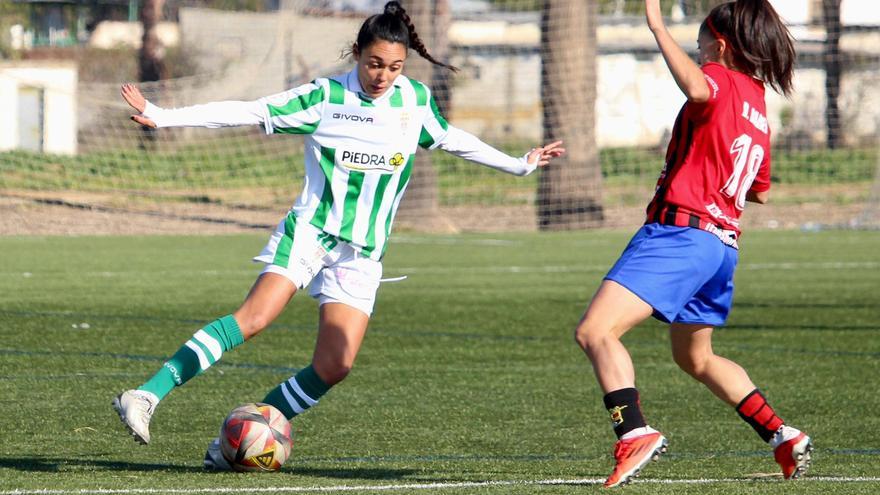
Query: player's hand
x: 654, y: 14
x: 132, y: 95
x: 545, y: 153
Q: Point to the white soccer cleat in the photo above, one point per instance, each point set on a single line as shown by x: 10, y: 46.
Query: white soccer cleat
x: 214, y: 460
x: 792, y: 450
x: 135, y: 408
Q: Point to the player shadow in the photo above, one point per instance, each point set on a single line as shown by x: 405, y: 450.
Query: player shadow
x: 353, y: 473
x: 51, y: 465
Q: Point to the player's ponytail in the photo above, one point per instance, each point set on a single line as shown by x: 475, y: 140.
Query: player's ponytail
x: 760, y: 42
x: 395, y: 26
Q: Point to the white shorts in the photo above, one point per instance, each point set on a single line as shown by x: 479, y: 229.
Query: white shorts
x: 333, y: 270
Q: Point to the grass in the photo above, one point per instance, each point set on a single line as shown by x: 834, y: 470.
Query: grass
x: 243, y: 161
x: 468, y: 372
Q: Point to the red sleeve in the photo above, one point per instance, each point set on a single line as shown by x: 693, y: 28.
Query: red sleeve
x: 719, y: 89
x: 762, y: 180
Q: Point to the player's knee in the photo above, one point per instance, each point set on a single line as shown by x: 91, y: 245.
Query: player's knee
x: 252, y: 323
x: 692, y: 363
x: 581, y: 337
x: 333, y: 370
x: 590, y: 337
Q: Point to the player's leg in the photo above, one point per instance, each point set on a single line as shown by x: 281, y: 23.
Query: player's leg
x: 613, y: 311
x: 340, y: 334
x: 691, y: 337
x: 657, y: 274
x: 692, y: 351
x: 346, y: 290
x: 341, y: 331
x: 267, y: 298
x: 289, y: 266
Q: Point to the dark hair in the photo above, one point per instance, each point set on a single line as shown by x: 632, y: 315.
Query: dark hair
x: 395, y: 26
x: 761, y: 44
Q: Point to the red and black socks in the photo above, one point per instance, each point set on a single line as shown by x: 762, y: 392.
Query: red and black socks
x: 625, y: 410
x: 756, y: 412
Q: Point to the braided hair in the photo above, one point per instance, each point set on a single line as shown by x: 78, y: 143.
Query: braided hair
x: 394, y: 25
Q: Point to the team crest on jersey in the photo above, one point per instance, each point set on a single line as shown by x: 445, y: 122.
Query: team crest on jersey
x: 404, y: 120
x: 370, y: 161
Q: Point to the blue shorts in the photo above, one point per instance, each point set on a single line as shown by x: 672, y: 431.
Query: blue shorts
x: 685, y: 274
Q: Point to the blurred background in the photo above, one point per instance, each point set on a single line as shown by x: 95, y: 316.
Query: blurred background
x: 587, y: 72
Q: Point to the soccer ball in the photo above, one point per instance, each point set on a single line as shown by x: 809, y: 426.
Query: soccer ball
x: 255, y: 437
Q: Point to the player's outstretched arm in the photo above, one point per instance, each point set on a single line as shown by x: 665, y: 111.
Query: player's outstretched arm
x: 465, y: 145
x: 686, y: 73
x: 216, y: 114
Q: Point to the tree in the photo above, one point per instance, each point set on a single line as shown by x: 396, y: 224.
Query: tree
x: 431, y: 19
x: 570, y: 190
x: 831, y: 60
x: 152, y: 54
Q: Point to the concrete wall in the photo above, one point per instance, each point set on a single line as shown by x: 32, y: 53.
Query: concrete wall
x: 111, y: 34
x: 498, y: 93
x: 264, y: 51
x: 58, y: 81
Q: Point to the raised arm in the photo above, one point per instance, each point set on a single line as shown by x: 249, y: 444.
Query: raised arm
x: 686, y: 73
x: 216, y: 114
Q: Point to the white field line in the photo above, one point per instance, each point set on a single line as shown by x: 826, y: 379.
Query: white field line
x: 416, y: 486
x: 439, y: 270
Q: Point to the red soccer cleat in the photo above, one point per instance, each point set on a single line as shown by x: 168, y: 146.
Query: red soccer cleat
x: 632, y: 455
x: 792, y: 451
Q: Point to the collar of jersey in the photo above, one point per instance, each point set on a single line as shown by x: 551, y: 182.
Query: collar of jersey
x: 353, y: 84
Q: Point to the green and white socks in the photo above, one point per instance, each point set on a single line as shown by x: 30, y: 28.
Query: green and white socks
x: 205, y: 348
x: 299, y: 393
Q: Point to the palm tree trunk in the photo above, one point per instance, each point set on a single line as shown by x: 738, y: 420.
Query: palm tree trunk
x: 831, y: 59
x: 152, y: 54
x: 570, y: 190
x: 420, y: 207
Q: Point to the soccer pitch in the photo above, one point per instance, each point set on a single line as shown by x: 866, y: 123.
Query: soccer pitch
x: 468, y: 381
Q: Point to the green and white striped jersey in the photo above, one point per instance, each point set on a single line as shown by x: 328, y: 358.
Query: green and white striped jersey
x: 359, y: 152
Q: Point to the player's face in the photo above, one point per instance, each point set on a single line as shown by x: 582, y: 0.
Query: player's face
x: 708, y: 48
x: 378, y: 64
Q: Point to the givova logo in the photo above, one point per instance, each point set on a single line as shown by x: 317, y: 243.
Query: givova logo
x: 361, y: 160
x: 353, y: 117
x: 175, y: 375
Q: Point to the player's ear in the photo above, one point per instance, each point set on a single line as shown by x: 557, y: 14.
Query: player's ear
x: 355, y: 52
x: 722, y: 47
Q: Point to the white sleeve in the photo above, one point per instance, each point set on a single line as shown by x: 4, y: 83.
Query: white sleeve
x: 213, y: 115
x: 466, y: 145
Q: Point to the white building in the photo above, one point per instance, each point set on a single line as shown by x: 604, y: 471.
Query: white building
x: 38, y: 99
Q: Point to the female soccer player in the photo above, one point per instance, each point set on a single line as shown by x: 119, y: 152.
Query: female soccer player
x: 679, y: 266
x: 362, y: 130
